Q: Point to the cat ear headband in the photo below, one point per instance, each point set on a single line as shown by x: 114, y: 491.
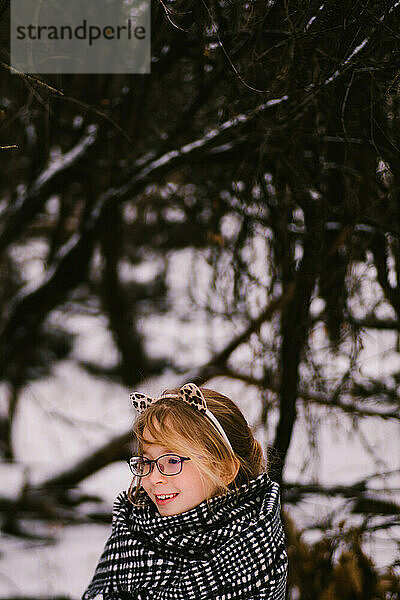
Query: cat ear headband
x: 190, y: 394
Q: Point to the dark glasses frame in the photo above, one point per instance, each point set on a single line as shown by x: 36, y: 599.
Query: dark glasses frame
x: 150, y: 463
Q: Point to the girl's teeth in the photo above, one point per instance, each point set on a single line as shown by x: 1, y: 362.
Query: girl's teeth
x: 165, y: 496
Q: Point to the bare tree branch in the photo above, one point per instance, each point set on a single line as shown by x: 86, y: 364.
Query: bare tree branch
x: 27, y: 205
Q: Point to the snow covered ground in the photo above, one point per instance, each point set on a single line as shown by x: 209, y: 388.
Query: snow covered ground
x: 71, y: 413
x: 60, y: 419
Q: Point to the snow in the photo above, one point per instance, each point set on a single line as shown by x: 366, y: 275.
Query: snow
x: 71, y: 413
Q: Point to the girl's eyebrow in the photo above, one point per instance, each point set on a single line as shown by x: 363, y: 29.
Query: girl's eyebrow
x: 145, y: 454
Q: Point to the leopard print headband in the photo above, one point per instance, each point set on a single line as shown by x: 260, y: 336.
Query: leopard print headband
x: 190, y: 394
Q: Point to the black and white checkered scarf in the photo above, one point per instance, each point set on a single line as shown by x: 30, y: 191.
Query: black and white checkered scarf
x: 231, y: 547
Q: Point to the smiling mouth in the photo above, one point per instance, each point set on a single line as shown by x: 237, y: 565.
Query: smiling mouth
x: 165, y: 498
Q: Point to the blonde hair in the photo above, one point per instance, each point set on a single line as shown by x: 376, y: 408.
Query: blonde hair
x: 183, y: 429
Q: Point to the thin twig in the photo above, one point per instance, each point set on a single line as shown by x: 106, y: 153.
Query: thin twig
x: 238, y: 75
x: 32, y: 79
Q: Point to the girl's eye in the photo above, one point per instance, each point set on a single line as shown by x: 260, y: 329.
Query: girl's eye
x: 173, y: 461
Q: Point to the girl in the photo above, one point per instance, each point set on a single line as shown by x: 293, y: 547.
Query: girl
x: 201, y: 520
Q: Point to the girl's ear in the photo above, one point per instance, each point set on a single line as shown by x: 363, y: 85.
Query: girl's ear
x: 233, y: 471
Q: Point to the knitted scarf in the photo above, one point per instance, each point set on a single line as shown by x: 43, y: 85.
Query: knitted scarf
x: 229, y: 547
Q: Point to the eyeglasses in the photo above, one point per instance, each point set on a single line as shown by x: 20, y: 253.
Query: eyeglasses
x: 167, y: 464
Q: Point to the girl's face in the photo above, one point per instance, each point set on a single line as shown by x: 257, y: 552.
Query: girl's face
x: 187, y: 488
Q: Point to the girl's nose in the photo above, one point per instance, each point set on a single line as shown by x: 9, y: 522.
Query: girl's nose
x: 155, y: 474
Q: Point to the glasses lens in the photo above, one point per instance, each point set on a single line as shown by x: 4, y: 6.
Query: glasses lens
x: 170, y: 464
x: 139, y: 466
